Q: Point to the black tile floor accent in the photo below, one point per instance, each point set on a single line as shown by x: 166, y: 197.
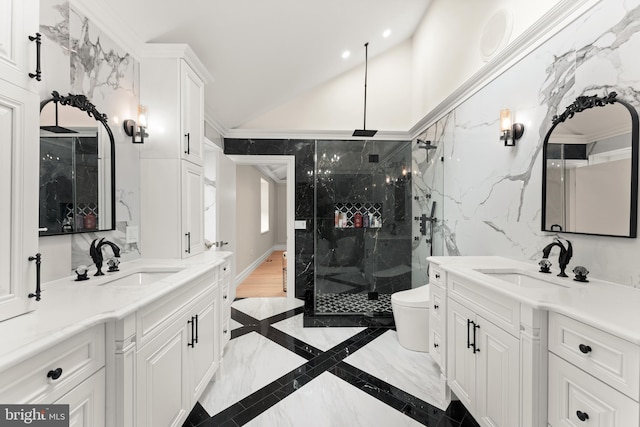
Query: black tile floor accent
x: 318, y: 362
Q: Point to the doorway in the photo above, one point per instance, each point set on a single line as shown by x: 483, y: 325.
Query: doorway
x: 274, y: 267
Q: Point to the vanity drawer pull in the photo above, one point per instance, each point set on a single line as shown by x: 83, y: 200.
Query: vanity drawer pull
x: 584, y: 348
x: 188, y: 136
x: 582, y: 416
x: 54, y: 374
x: 436, y: 306
x: 435, y: 345
x: 437, y: 275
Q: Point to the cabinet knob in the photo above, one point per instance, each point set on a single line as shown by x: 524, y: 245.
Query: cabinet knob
x: 437, y: 275
x: 582, y: 416
x: 436, y: 306
x: 435, y: 345
x: 584, y: 348
x: 54, y: 374
x: 225, y: 297
x: 224, y: 331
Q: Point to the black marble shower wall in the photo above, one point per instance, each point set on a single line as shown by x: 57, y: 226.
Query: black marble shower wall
x: 372, y: 178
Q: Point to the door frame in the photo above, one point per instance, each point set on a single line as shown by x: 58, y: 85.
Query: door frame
x: 290, y: 161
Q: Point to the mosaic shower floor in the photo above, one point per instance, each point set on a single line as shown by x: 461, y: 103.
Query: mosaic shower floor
x: 352, y: 304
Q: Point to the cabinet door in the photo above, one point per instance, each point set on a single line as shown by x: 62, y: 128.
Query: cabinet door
x: 19, y: 148
x: 18, y: 21
x: 203, y: 356
x: 576, y: 398
x: 162, y: 389
x: 436, y: 324
x: 461, y: 369
x: 192, y: 114
x: 192, y: 209
x: 87, y: 402
x: 497, y: 396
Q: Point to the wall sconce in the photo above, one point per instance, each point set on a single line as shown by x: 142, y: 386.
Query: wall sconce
x: 135, y: 131
x: 509, y: 133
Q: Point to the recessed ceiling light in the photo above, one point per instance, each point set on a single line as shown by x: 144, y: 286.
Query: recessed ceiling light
x: 386, y: 33
x: 346, y: 54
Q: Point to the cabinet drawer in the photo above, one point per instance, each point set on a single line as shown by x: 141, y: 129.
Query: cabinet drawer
x: 574, y: 394
x: 435, y: 346
x: 150, y: 320
x: 436, y: 275
x: 437, y: 301
x: 77, y: 357
x: 227, y: 298
x: 605, y: 356
x: 502, y: 311
x: 225, y: 269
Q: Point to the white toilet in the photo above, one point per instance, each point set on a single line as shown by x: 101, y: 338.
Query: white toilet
x: 411, y: 314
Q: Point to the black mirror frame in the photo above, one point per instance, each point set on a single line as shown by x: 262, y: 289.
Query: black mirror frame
x: 81, y: 102
x: 580, y: 104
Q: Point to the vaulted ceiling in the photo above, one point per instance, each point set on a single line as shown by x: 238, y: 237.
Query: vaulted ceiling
x: 263, y: 53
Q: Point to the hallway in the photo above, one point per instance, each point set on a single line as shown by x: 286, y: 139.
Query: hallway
x: 266, y: 280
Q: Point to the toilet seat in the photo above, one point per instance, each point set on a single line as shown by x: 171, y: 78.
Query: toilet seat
x: 416, y: 297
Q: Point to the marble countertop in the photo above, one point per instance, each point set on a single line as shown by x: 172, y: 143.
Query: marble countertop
x: 611, y: 307
x: 68, y: 307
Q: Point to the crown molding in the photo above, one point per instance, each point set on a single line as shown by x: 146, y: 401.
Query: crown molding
x: 104, y: 16
x: 557, y: 18
x: 343, y: 135
x: 178, y: 50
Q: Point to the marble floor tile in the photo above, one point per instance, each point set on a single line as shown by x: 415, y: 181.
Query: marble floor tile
x: 321, y: 338
x: 261, y: 308
x: 235, y: 325
x: 250, y: 362
x: 329, y: 401
x: 414, y: 372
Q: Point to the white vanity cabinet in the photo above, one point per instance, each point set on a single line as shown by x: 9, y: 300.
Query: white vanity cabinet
x: 19, y: 159
x: 70, y: 372
x: 172, y: 83
x: 496, y: 355
x: 228, y: 295
x: 483, y: 366
x: 594, y: 376
x: 438, y: 322
x: 176, y: 352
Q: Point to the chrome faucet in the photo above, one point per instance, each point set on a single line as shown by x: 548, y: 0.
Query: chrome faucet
x: 95, y: 251
x: 563, y: 259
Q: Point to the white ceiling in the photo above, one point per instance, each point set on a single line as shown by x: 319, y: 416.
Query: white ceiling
x: 263, y: 53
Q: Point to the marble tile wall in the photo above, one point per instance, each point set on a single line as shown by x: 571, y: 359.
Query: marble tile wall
x: 79, y: 58
x: 492, y: 194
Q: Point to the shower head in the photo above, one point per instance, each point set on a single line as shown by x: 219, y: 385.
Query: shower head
x: 427, y: 145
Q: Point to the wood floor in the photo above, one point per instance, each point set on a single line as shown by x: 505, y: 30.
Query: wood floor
x: 264, y: 281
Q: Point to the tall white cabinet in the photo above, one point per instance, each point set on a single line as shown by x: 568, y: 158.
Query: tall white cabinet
x: 172, y: 83
x: 19, y: 148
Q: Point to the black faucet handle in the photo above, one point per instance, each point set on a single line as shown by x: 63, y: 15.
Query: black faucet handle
x: 545, y: 266
x: 581, y: 274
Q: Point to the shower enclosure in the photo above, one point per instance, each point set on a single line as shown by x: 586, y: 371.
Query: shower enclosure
x: 363, y: 219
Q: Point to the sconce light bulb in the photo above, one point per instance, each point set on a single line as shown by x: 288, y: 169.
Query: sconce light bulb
x: 505, y: 120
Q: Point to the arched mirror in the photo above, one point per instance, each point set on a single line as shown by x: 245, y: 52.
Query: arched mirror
x: 77, y: 167
x: 590, y: 168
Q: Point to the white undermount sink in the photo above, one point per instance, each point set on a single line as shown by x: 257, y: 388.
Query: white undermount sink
x: 139, y: 278
x: 523, y: 279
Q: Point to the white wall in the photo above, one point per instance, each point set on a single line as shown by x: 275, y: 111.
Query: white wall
x: 446, y: 45
x: 251, y: 244
x: 338, y: 104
